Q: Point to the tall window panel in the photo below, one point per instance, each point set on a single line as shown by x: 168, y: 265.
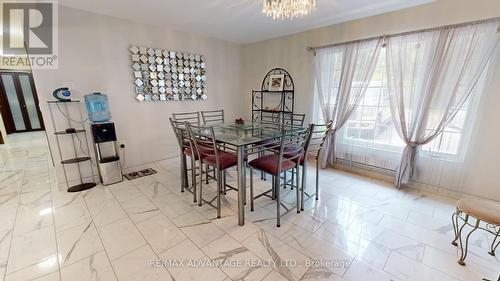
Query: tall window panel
x: 369, y: 136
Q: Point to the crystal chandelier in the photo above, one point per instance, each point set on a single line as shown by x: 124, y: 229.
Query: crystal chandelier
x: 288, y: 9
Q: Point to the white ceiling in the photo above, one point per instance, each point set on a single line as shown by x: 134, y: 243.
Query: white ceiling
x: 239, y: 21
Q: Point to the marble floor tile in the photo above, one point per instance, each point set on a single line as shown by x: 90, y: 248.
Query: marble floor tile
x: 10, y: 198
x: 401, y: 244
x: 230, y: 225
x: 160, y: 233
x: 98, y: 195
x: 65, y: 199
x: 146, y: 229
x: 369, y: 252
x: 186, y: 262
x: 107, y: 212
x: 36, y: 199
x: 138, y: 265
x: 96, y: 267
x: 154, y: 190
x: 202, y: 233
x: 188, y: 217
x: 362, y: 271
x: 304, y: 220
x: 317, y: 273
x: 120, y: 238
x: 124, y: 191
x: 426, y: 236
x: 77, y: 243
x: 178, y: 211
x: 446, y: 262
x: 31, y: 248
x: 35, y: 183
x: 274, y: 276
x: 41, y: 269
x: 49, y: 277
x: 442, y: 226
x: 289, y: 262
x: 5, y: 239
x: 33, y: 218
x: 326, y: 255
x: 236, y: 260
x: 71, y: 215
x: 408, y: 269
x: 140, y: 208
x: 7, y: 218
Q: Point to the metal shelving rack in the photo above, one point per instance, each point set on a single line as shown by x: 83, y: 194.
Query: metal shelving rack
x: 77, y: 159
x: 286, y: 104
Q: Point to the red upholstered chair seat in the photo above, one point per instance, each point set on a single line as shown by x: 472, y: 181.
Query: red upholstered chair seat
x: 189, y: 153
x: 269, y: 164
x: 203, y: 152
x: 226, y: 160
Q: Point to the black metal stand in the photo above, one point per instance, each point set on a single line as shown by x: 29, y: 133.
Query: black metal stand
x: 76, y: 159
x: 260, y: 99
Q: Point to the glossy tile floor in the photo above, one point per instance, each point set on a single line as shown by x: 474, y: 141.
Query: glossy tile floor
x: 146, y: 229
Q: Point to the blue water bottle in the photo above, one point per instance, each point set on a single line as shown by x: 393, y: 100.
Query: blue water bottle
x: 98, y: 108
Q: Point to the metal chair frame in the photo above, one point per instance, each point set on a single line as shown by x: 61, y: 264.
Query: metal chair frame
x: 192, y: 118
x: 299, y: 138
x: 319, y: 133
x: 291, y: 121
x: 204, y: 144
x: 184, y: 143
x: 457, y: 218
x: 212, y: 116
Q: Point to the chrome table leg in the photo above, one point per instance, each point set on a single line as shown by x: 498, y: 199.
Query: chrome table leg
x: 241, y: 184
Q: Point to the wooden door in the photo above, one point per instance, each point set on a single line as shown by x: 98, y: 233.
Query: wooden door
x: 19, y: 103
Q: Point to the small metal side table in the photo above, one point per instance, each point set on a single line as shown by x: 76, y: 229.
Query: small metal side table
x: 73, y: 132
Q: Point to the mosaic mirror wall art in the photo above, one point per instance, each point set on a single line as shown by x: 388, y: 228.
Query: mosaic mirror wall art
x: 162, y: 75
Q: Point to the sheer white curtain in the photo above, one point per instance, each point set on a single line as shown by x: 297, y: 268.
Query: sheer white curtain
x: 342, y: 75
x: 431, y: 75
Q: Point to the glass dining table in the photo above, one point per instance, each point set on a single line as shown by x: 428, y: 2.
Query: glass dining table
x: 240, y: 138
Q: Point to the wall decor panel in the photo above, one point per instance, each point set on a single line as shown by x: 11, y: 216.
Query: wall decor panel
x: 163, y: 75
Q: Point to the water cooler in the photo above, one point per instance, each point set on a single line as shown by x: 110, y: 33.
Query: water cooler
x: 104, y: 137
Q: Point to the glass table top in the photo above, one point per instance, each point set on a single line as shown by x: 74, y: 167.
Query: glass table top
x: 248, y: 133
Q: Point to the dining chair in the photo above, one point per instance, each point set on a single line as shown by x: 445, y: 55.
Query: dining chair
x: 185, y: 146
x: 212, y: 116
x: 318, y: 135
x: 271, y: 119
x: 290, y: 120
x: 275, y: 164
x: 293, y: 119
x: 205, y: 146
x: 192, y: 118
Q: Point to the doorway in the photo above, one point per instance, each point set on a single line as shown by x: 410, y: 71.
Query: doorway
x: 19, y: 104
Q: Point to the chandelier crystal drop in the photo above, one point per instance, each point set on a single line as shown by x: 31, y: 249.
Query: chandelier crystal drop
x: 288, y: 9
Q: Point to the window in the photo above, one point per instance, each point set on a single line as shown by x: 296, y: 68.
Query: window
x: 371, y: 126
x: 371, y: 120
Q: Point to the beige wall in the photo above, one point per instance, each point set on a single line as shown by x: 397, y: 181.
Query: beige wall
x: 289, y: 52
x: 94, y: 57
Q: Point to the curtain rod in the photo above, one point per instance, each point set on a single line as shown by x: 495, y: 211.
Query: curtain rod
x: 405, y: 33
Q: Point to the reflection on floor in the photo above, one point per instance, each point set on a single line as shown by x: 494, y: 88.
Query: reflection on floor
x: 146, y: 229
